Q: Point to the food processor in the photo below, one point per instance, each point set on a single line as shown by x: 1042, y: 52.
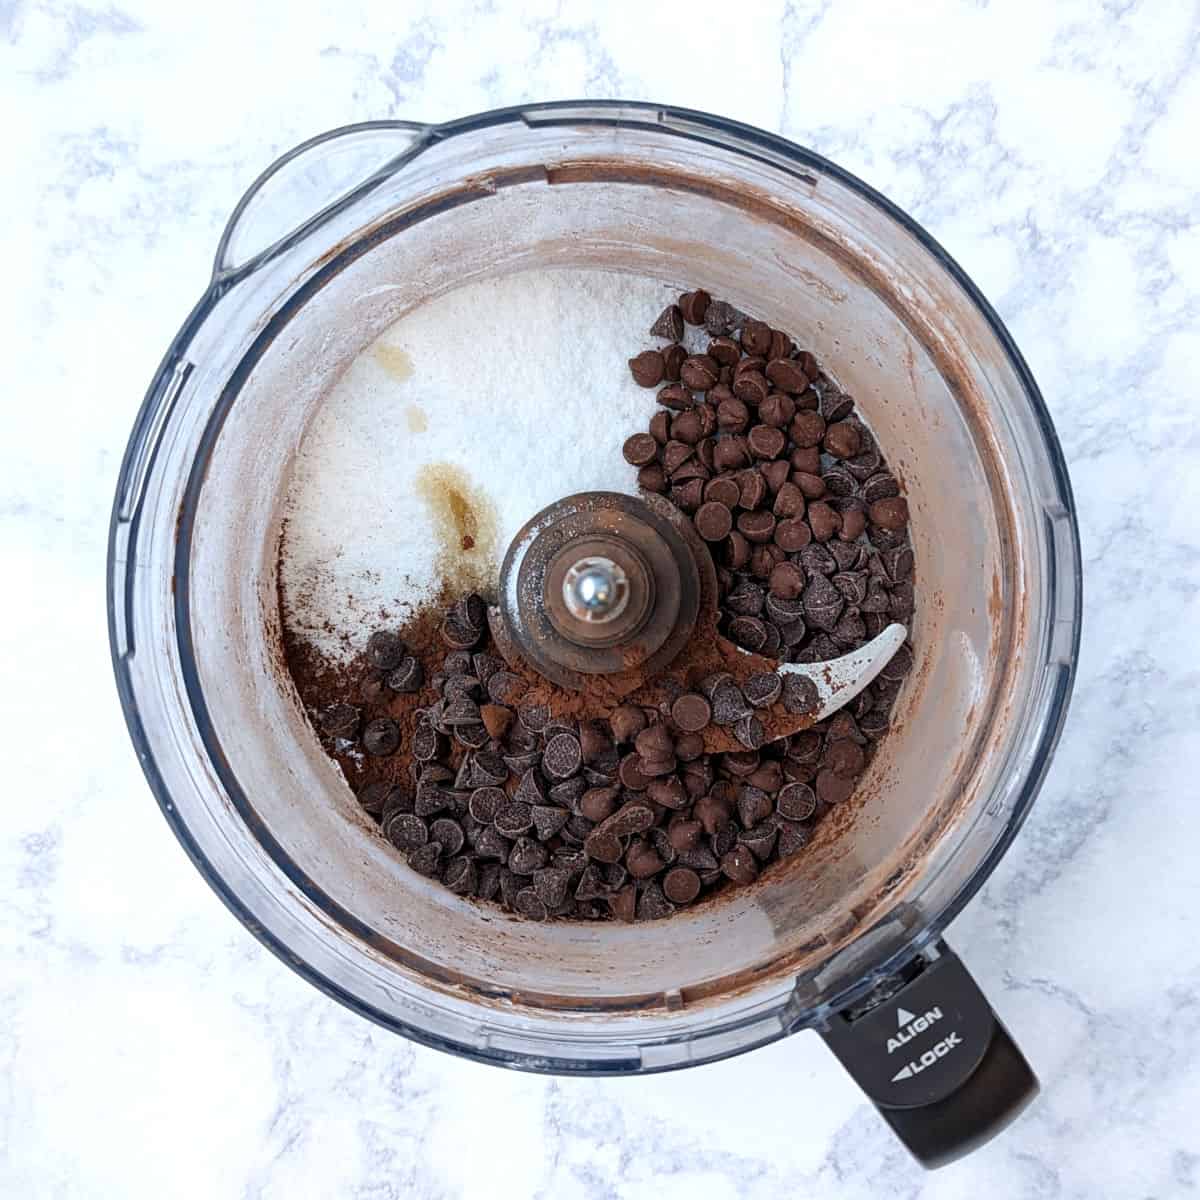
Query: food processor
x: 331, y: 245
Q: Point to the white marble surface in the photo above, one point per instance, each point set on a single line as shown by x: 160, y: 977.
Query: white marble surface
x: 148, y: 1045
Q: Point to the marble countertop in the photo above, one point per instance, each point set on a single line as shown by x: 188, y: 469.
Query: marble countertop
x: 149, y: 1046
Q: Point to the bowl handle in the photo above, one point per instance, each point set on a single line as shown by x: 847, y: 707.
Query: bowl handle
x: 308, y: 185
x: 934, y: 1059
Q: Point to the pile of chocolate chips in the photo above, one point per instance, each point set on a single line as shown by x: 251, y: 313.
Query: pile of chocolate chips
x: 788, y: 487
x: 622, y: 814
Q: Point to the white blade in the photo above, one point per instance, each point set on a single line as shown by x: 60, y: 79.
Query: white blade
x: 841, y: 679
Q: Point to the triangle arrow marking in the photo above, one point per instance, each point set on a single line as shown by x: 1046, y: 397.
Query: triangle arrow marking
x: 903, y: 1016
x: 903, y: 1073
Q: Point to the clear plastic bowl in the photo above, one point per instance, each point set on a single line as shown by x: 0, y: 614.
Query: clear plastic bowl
x: 333, y: 244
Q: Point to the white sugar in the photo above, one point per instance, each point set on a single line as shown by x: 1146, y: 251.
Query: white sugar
x: 508, y: 394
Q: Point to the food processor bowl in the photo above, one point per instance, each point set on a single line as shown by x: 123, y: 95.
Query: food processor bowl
x: 333, y: 244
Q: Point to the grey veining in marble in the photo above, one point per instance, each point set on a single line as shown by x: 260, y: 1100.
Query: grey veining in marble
x: 148, y: 1045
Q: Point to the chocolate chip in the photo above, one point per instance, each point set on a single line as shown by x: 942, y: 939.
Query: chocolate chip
x: 721, y: 318
x: 850, y: 632
x: 874, y: 724
x: 796, y: 802
x: 713, y: 521
x: 835, y: 405
x: 563, y: 756
x: 793, y: 837
x: 381, y: 737
x: 890, y: 514
x: 748, y: 632
x: 757, y: 527
x: 786, y: 582
x: 722, y: 490
x: 764, y: 558
x: 681, y: 885
x: 823, y: 603
x: 823, y: 521
x: 854, y: 521
x: 782, y: 610
x: 730, y: 453
x: 598, y: 804
x: 652, y: 478
x: 881, y: 486
x: 832, y: 788
x: 811, y: 486
x: 792, y: 535
x: 340, y: 721
x: 385, y: 650
x: 398, y: 800
x: 800, y: 695
x: 746, y: 599
x: 786, y: 374
x: 885, y: 539
x: 699, y: 372
x: 530, y: 905
x: 675, y: 396
x: 669, y: 324
x: 655, y: 742
x: 459, y: 635
x: 406, y: 831
x: 547, y: 821
x: 725, y: 351
x: 371, y: 797
x: 652, y: 905
x: 631, y: 775
x: 674, y: 455
x: 461, y: 711
x: 740, y: 865
x: 691, y: 712
x: 898, y: 563
x: 694, y: 305
x: 647, y: 368
x: 729, y: 705
x: 627, y: 722
x: 839, y: 482
x: 852, y: 585
x: 448, y: 834
x: 640, y: 449
x: 901, y: 604
x: 687, y: 428
x: 595, y: 740
x: 669, y: 792
x: 777, y: 410
x: 765, y: 441
x: 485, y: 802
x: 844, y: 757
x: 425, y: 860
x: 733, y: 416
x: 461, y: 876
x: 492, y: 845
x: 763, y: 688
x: 749, y: 731
x: 527, y: 856
x: 842, y: 439
x: 642, y: 860
x: 513, y: 818
x: 550, y: 884
x: 753, y: 805
x: 752, y: 387
x: 756, y: 337
x: 848, y: 557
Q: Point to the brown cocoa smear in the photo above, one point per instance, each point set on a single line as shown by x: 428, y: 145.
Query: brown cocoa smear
x: 605, y: 803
